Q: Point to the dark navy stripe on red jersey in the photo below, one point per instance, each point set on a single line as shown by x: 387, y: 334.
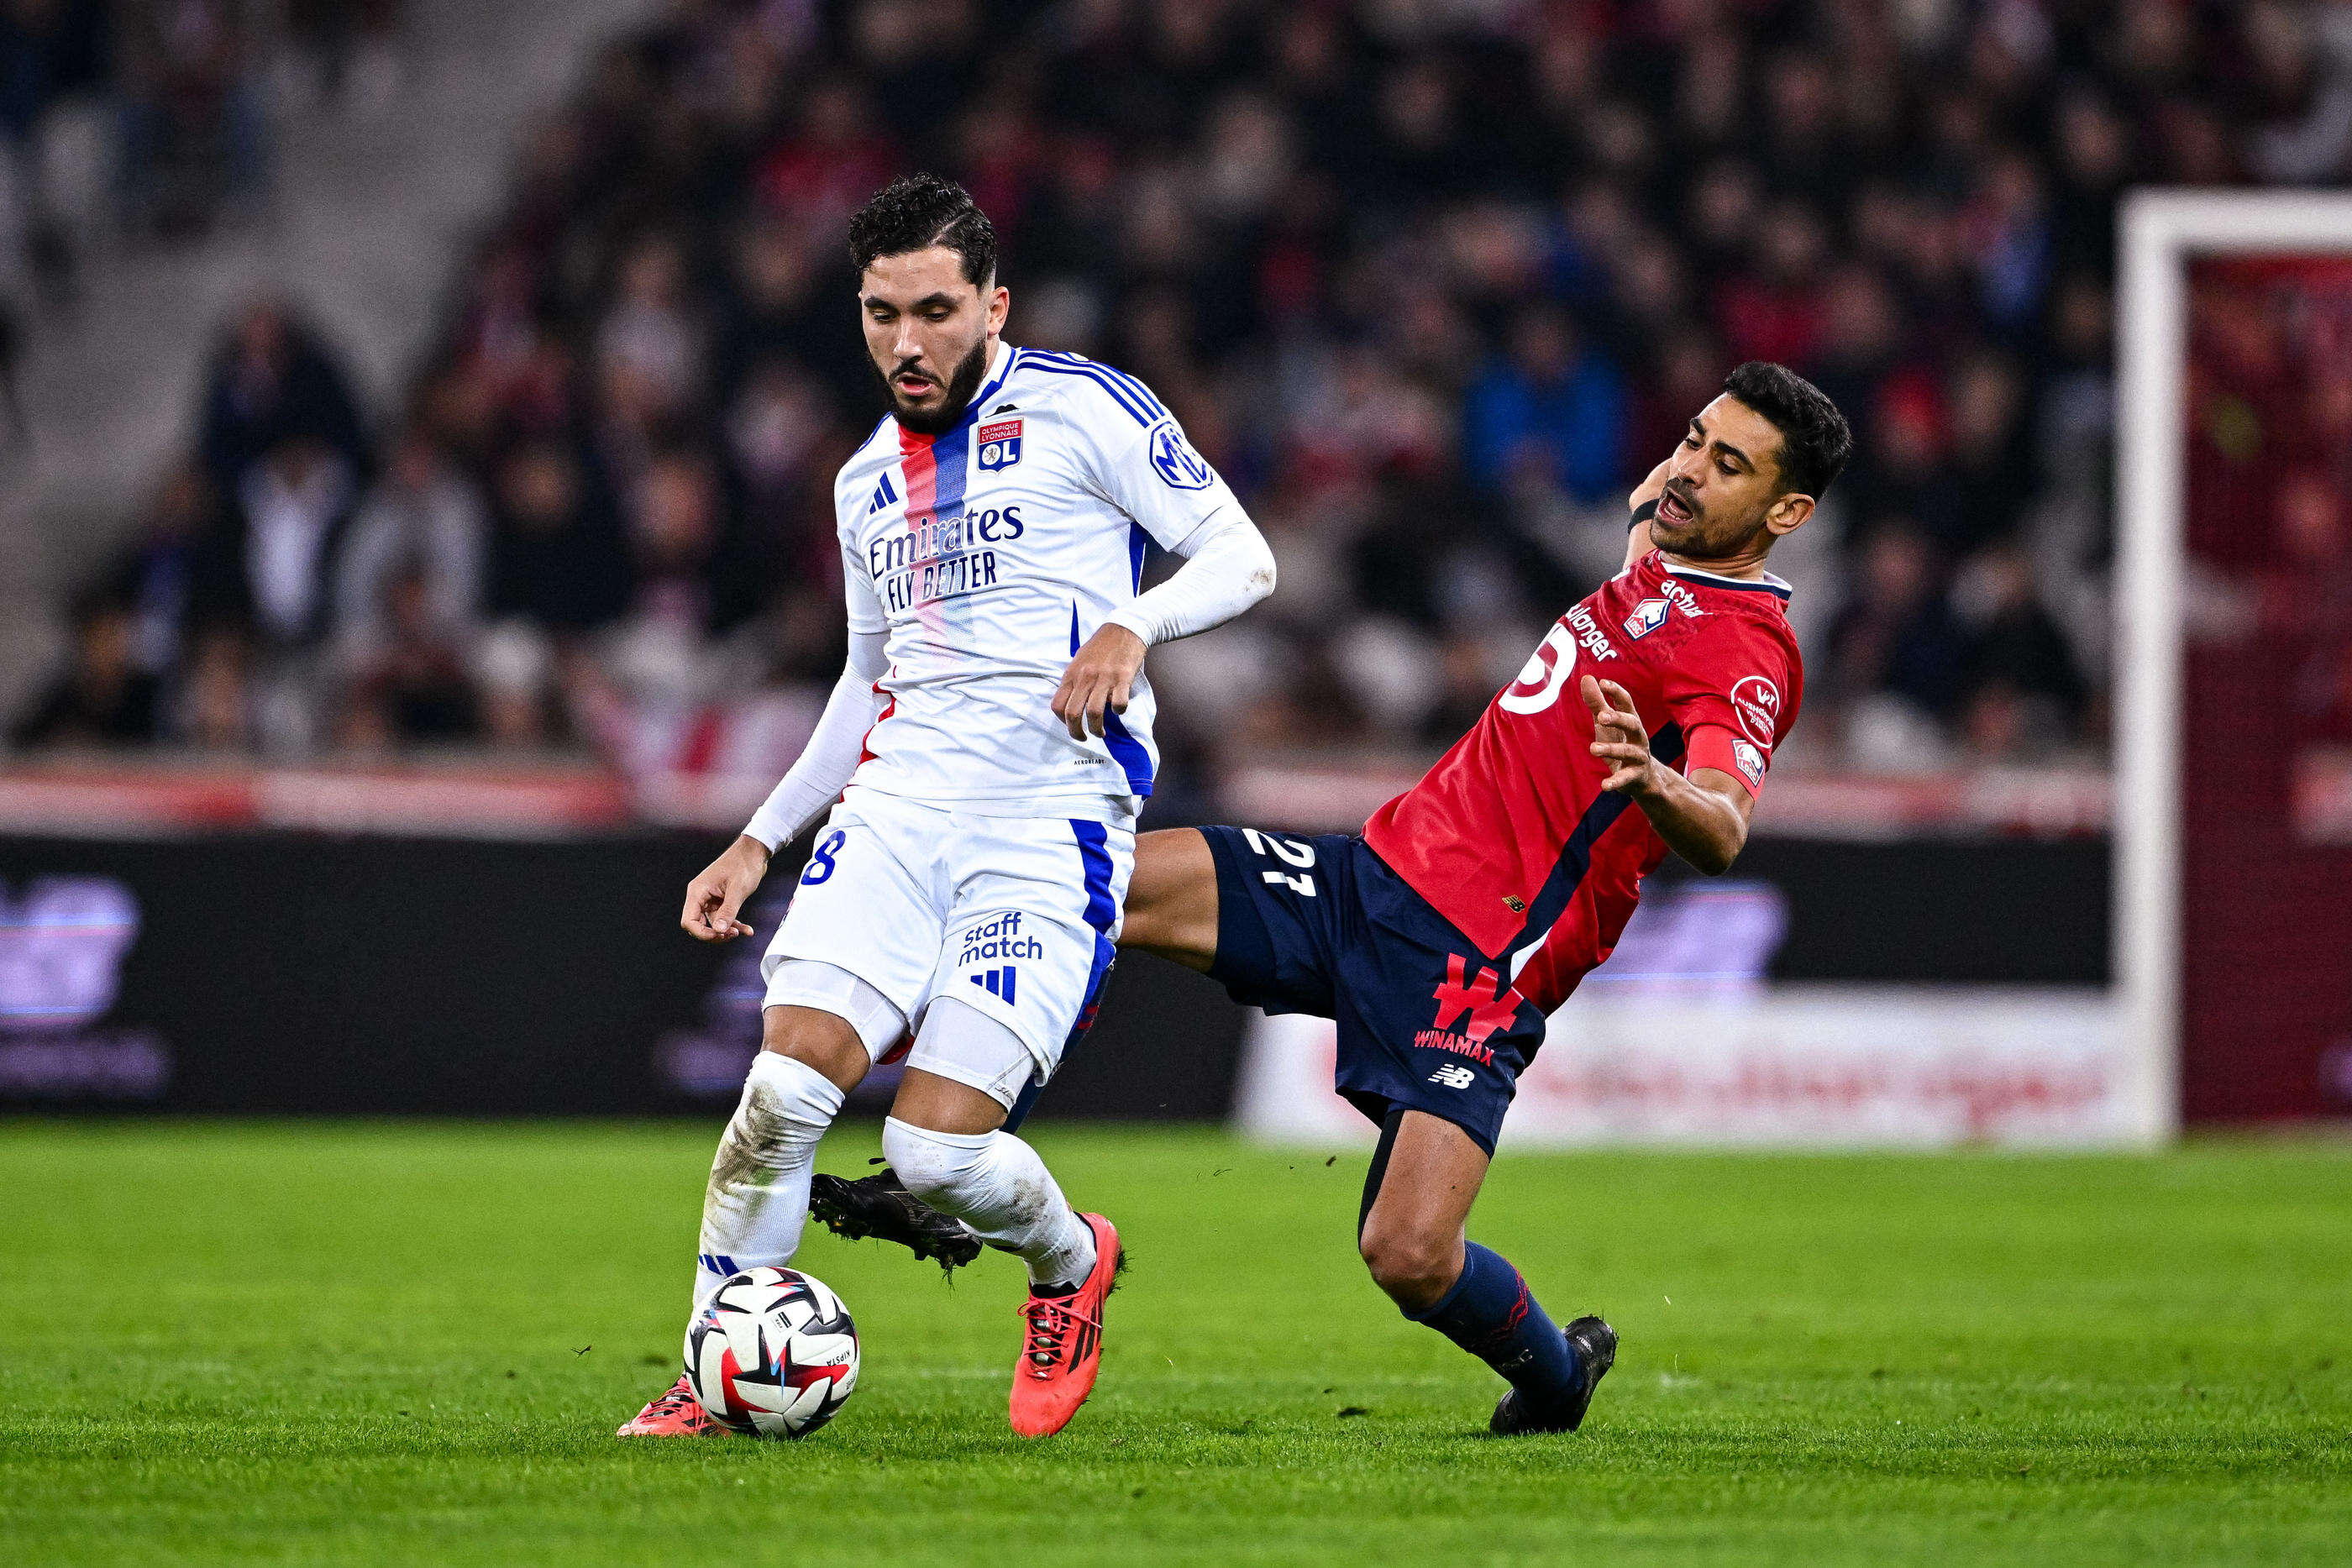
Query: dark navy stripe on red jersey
x: 1568, y: 872
x: 1767, y: 583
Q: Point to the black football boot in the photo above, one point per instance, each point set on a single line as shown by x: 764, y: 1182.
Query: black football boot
x: 1595, y: 1344
x: 880, y: 1205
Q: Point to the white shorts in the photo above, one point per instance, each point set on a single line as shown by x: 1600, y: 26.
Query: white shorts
x: 1014, y: 915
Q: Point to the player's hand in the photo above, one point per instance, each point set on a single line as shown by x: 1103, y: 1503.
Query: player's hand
x: 1637, y: 538
x: 712, y: 898
x: 1651, y: 489
x: 1102, y: 676
x: 1619, y: 739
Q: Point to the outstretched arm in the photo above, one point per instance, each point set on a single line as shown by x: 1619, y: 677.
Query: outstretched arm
x: 1227, y: 567
x: 1703, y: 818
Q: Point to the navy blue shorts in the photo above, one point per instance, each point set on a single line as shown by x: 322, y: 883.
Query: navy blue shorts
x: 1322, y: 925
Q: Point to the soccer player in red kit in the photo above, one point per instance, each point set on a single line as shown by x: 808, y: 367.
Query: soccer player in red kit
x: 1472, y: 905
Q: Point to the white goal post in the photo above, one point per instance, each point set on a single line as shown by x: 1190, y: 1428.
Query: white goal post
x: 2160, y: 230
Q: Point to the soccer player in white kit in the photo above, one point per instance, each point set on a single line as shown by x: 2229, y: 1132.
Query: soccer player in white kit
x: 989, y: 745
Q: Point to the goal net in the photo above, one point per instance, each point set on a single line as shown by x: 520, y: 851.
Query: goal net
x: 2233, y: 719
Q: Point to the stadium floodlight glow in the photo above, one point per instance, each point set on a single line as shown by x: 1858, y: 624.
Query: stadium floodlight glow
x: 2160, y: 231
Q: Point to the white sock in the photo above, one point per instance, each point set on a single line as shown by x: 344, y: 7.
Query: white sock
x: 995, y: 1184
x: 758, y: 1198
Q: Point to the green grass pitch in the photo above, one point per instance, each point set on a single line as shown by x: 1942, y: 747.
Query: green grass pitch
x: 369, y: 1344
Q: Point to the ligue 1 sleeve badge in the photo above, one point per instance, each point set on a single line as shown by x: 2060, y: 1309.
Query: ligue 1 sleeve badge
x: 999, y: 445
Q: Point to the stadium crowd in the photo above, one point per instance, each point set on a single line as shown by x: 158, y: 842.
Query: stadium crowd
x: 1433, y: 282
x: 183, y: 84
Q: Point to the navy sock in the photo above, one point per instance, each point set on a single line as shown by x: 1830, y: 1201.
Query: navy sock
x: 1491, y: 1314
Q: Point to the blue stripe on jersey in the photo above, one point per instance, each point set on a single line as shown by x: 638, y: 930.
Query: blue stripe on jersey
x: 951, y: 451
x: 1141, y: 393
x: 1575, y: 860
x: 1133, y: 759
x: 972, y: 408
x: 1138, y: 544
x: 1125, y: 749
x: 1138, y: 388
x: 1139, y: 412
x: 1094, y: 854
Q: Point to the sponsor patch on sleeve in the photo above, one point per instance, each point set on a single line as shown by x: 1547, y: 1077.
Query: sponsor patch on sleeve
x: 1750, y: 760
x: 1758, y: 702
x: 1173, y: 459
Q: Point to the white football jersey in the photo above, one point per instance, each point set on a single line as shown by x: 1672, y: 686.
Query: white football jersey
x: 990, y: 552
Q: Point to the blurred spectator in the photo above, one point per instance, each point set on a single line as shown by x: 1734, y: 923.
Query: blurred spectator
x: 271, y: 381
x: 276, y: 570
x: 351, y: 45
x: 156, y: 576
x: 1895, y: 651
x: 195, y: 130
x: 412, y: 682
x: 414, y: 565
x: 48, y: 48
x: 556, y: 555
x: 2024, y: 693
x: 103, y: 697
x: 1551, y: 404
x: 265, y: 582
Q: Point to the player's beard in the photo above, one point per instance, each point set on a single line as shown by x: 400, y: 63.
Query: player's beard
x: 961, y: 384
x: 1701, y: 537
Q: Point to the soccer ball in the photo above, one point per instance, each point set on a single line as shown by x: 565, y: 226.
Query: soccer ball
x: 774, y: 1355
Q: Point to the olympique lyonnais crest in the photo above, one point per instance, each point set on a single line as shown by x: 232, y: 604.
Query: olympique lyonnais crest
x: 1647, y: 617
x: 999, y: 445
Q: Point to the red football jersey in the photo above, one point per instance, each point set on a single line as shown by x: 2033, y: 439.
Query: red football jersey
x: 1510, y: 836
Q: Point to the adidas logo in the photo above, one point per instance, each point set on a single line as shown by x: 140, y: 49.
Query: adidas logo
x: 883, y: 496
x: 997, y: 982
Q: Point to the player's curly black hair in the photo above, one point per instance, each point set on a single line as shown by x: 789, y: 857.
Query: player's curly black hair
x: 915, y: 211
x: 1815, y: 440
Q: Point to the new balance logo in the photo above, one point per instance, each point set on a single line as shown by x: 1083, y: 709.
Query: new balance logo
x: 1488, y: 1010
x: 998, y: 982
x: 883, y: 496
x: 1454, y: 1077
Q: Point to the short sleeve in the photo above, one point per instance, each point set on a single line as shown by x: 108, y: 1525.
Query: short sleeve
x: 1149, y: 471
x: 1712, y: 745
x: 1732, y: 691
x: 863, y: 610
